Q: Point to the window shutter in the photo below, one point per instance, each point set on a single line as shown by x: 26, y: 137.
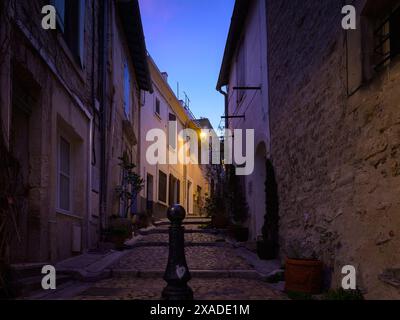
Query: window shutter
x: 81, y: 32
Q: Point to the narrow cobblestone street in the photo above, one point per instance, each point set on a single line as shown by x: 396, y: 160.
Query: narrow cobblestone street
x: 219, y: 270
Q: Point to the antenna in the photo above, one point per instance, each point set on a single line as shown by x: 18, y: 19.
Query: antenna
x: 177, y: 90
x: 187, y: 100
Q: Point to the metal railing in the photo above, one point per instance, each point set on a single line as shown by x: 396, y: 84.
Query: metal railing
x: 388, y: 41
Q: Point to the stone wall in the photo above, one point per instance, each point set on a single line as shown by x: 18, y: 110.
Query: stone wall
x: 337, y: 157
x: 40, y: 61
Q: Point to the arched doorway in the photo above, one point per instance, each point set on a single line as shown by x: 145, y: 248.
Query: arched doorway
x: 259, y: 177
x: 270, y: 229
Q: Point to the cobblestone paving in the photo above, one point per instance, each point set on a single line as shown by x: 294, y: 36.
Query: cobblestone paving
x: 198, y: 258
x: 189, y: 237
x: 186, y: 226
x: 204, y: 289
x: 209, y: 253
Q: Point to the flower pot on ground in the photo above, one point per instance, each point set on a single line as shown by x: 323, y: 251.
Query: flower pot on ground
x: 303, y: 275
x: 142, y: 220
x: 118, y: 239
x: 119, y: 231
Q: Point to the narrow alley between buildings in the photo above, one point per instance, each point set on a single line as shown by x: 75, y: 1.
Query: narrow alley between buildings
x: 220, y: 269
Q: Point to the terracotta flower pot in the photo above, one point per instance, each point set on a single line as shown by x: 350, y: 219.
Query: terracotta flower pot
x: 303, y: 276
x: 118, y: 240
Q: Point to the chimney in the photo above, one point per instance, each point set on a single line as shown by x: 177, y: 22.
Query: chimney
x: 165, y: 76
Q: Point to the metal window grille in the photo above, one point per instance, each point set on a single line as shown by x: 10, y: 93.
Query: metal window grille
x: 387, y: 36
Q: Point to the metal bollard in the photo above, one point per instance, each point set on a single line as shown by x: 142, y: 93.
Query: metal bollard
x: 177, y: 272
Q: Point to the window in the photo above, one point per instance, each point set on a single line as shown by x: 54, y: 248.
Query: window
x: 60, y: 8
x: 157, y: 107
x: 127, y: 91
x: 172, y: 131
x: 64, y: 175
x: 380, y: 35
x: 387, y: 38
x: 71, y: 22
x: 162, y: 186
x: 174, y: 190
x: 241, y: 70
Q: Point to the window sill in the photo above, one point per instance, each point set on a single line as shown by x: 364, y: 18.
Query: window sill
x: 68, y: 214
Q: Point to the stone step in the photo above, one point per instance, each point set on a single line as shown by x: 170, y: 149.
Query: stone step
x: 187, y: 244
x: 63, y: 291
x: 148, y: 274
x: 25, y: 286
x: 26, y: 270
x: 147, y: 232
x: 187, y: 221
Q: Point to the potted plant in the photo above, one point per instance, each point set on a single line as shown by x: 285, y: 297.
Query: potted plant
x: 119, y: 230
x: 118, y: 236
x: 131, y: 184
x: 267, y: 245
x: 303, y: 272
x: 238, y: 208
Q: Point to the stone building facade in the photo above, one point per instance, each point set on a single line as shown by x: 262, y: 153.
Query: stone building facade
x: 170, y: 182
x: 335, y: 136
x: 62, y: 92
x: 244, y: 74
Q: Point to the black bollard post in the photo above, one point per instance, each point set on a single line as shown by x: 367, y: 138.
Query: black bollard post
x: 177, y: 272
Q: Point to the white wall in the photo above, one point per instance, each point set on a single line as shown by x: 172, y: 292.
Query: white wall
x: 254, y: 105
x: 150, y: 120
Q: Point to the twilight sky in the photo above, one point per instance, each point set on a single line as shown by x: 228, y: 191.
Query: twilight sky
x: 186, y: 38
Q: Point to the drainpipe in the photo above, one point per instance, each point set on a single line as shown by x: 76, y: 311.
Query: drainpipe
x: 225, y: 94
x: 226, y: 109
